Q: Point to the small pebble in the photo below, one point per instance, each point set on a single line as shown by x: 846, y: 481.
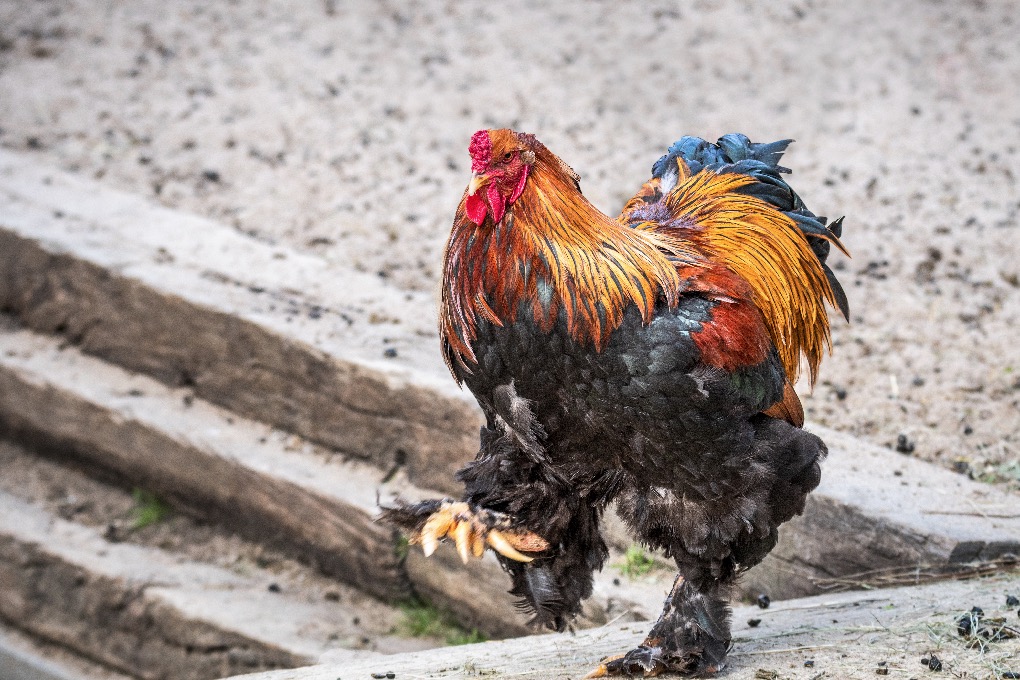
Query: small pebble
x: 934, y: 663
x: 753, y: 623
x: 964, y: 626
x: 810, y: 663
x: 274, y: 588
x: 113, y: 533
x: 1012, y: 601
x: 881, y: 670
x: 390, y: 353
x: 904, y: 445
x: 1011, y: 675
x: 764, y: 601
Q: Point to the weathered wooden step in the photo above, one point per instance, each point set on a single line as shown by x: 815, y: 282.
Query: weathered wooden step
x: 878, y: 510
x: 849, y: 636
x: 145, y: 612
x: 264, y: 483
x: 282, y: 337
x: 200, y: 457
x: 25, y: 658
x: 331, y: 616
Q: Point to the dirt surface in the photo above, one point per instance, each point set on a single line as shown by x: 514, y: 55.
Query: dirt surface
x: 341, y: 129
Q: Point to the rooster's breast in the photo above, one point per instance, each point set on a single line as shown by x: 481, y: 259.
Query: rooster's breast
x: 646, y: 393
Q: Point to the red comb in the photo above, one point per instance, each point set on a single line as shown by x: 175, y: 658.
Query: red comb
x: 480, y: 150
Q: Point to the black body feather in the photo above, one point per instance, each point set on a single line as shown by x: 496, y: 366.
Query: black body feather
x: 696, y: 470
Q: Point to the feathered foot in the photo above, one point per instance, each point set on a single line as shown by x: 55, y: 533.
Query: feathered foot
x: 472, y: 531
x: 690, y: 638
x: 650, y: 660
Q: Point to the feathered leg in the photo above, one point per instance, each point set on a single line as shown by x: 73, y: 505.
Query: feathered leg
x: 508, y: 491
x: 691, y: 636
x: 509, y: 479
x: 714, y: 538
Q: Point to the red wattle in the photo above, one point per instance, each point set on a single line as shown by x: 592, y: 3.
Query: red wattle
x: 475, y: 208
x: 496, y: 202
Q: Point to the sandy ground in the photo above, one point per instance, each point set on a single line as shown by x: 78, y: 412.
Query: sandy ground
x: 341, y: 128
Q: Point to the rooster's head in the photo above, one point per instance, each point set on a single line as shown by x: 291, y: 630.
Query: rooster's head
x: 500, y: 162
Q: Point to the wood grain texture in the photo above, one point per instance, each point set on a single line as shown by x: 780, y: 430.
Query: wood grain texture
x: 844, y: 636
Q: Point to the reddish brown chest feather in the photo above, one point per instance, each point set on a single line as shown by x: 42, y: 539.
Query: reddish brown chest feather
x: 736, y: 335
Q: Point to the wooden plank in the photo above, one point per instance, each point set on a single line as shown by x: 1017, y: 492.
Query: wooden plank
x: 269, y: 486
x: 278, y: 336
x: 876, y: 509
x: 23, y: 658
x: 138, y: 610
x: 242, y: 476
x: 848, y: 636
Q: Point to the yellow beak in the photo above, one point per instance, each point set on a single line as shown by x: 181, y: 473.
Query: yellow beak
x: 476, y: 183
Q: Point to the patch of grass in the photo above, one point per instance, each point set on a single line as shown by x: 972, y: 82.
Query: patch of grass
x: 422, y: 619
x: 149, y: 509
x: 462, y: 636
x: 1007, y: 472
x: 401, y: 547
x: 636, y: 562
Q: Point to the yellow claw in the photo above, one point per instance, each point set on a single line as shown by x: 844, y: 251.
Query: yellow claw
x: 437, y: 526
x: 503, y: 547
x: 429, y: 545
x: 603, y: 670
x: 462, y: 536
x: 458, y: 522
x: 477, y: 543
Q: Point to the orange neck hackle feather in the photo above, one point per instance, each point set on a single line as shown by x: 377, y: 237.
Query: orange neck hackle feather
x: 555, y: 253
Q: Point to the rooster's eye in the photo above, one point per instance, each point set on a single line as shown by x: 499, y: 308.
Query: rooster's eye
x: 508, y: 155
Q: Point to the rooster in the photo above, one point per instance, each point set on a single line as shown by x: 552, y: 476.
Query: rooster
x: 647, y: 360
